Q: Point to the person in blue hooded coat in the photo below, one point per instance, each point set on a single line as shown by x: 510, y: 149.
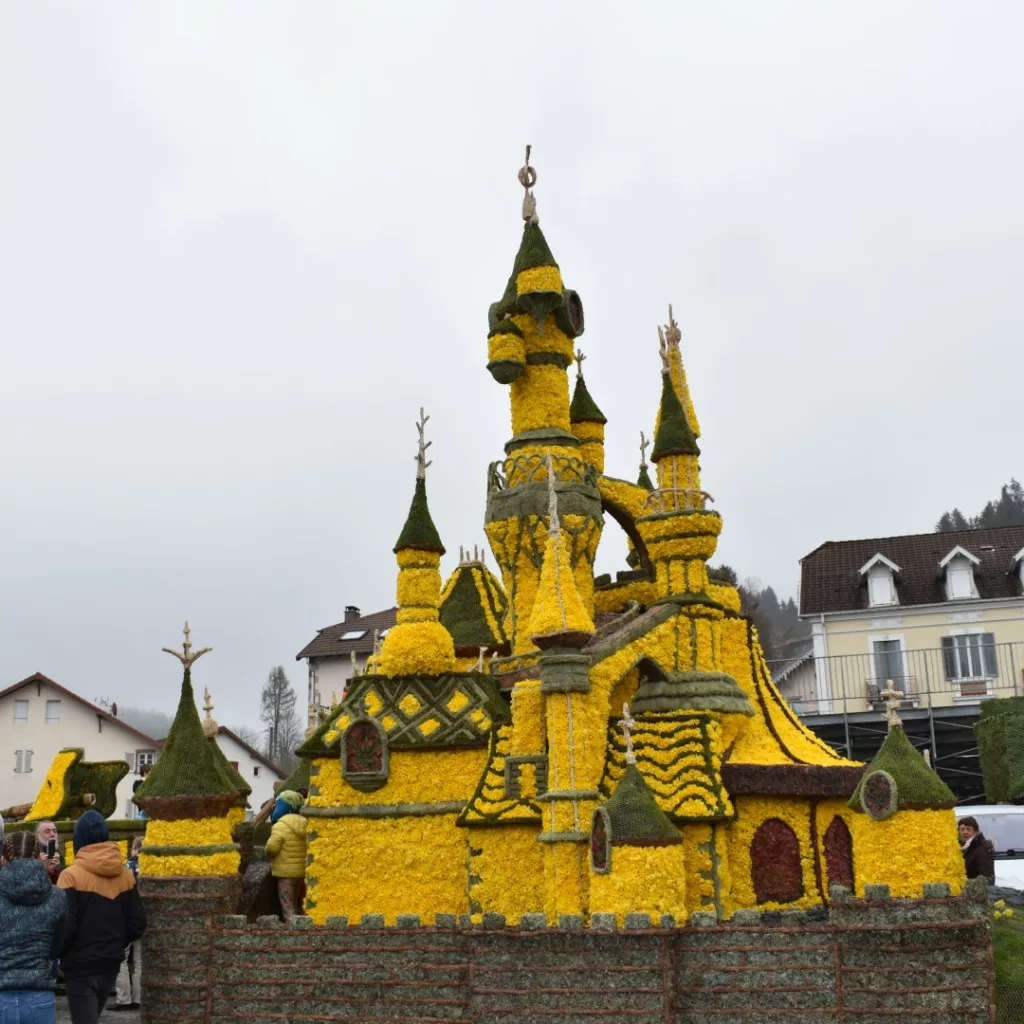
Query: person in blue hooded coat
x: 34, y: 916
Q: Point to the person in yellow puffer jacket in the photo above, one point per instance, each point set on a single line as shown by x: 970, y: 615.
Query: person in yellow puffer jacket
x: 286, y: 849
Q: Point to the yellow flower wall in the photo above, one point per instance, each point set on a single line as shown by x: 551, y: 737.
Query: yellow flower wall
x: 165, y: 867
x: 420, y: 776
x: 510, y: 866
x: 187, y: 832
x: 389, y: 866
x: 643, y: 879
x: 907, y: 850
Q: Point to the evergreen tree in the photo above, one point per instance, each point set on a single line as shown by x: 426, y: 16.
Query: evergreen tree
x: 277, y: 709
x: 1006, y: 510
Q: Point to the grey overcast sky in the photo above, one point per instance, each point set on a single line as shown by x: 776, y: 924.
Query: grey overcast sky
x: 242, y: 243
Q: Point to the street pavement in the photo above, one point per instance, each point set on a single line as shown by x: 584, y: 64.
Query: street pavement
x: 109, y: 1016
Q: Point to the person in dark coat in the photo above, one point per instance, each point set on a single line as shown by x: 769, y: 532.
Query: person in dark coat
x: 979, y: 853
x: 34, y: 918
x: 105, y: 915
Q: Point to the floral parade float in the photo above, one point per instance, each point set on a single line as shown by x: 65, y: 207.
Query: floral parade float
x: 558, y: 745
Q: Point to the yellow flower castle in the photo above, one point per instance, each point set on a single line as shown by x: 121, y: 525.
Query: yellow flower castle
x: 554, y: 744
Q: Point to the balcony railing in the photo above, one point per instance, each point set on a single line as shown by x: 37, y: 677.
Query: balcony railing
x: 930, y: 678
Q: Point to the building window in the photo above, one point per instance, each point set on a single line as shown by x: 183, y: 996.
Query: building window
x: 20, y: 712
x: 958, y: 566
x: 970, y: 657
x: 23, y: 761
x: 880, y: 587
x: 53, y: 711
x: 144, y: 757
x: 890, y: 665
x: 255, y: 771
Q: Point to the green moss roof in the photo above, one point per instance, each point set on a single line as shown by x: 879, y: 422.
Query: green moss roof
x: 674, y: 434
x: 644, y: 479
x: 462, y: 613
x: 584, y: 409
x: 917, y: 785
x: 419, y: 531
x: 186, y: 765
x: 635, y: 815
x: 299, y: 778
x: 533, y: 250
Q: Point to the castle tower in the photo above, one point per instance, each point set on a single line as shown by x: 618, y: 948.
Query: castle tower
x: 587, y: 420
x: 418, y: 644
x: 530, y: 347
x: 188, y: 795
x: 561, y: 626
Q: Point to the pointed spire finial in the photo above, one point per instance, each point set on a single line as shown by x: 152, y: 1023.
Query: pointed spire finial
x: 528, y: 178
x: 421, y: 452
x: 554, y: 527
x: 186, y: 655
x: 644, y: 445
x: 663, y: 351
x: 207, y: 701
x: 892, y: 698
x: 580, y: 357
x: 210, y: 727
x: 672, y: 333
x: 628, y: 725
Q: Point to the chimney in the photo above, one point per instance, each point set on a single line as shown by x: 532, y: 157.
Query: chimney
x: 351, y: 612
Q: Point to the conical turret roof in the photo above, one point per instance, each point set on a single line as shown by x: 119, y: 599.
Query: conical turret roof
x: 917, y: 785
x: 419, y: 532
x: 644, y: 479
x: 674, y: 436
x: 583, y: 408
x: 473, y: 607
x: 634, y: 814
x: 187, y: 766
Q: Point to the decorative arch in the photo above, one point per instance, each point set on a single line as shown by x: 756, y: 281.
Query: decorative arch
x: 775, y: 867
x: 839, y: 853
x: 628, y: 524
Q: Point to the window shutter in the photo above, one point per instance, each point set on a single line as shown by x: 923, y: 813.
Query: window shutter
x: 949, y: 658
x: 28, y: 760
x: 18, y: 762
x: 988, y: 647
x: 129, y: 756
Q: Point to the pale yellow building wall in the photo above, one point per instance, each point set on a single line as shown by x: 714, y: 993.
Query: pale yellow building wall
x: 851, y: 637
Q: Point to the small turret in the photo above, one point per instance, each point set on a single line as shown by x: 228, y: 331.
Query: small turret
x: 644, y: 479
x: 418, y: 644
x: 586, y: 420
x: 559, y: 617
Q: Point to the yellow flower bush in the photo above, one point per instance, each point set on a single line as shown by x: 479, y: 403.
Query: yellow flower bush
x: 417, y: 648
x: 168, y: 867
x: 502, y: 347
x: 69, y: 851
x: 51, y: 794
x: 186, y: 832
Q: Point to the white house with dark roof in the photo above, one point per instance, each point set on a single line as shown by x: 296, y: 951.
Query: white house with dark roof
x: 940, y: 616
x: 337, y: 651
x: 39, y: 718
x: 260, y: 772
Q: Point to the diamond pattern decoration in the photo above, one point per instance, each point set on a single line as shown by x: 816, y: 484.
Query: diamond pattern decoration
x: 409, y: 705
x: 452, y: 710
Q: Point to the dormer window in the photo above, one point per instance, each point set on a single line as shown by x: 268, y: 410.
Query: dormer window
x: 881, y: 577
x: 958, y: 568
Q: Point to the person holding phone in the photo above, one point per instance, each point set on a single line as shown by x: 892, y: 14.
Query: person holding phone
x: 34, y: 914
x: 49, y: 849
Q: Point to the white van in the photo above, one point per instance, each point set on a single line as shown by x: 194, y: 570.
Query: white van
x: 1003, y: 824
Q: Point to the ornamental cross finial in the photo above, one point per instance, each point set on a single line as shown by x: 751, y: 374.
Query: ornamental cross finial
x: 421, y: 452
x: 207, y: 701
x: 186, y: 655
x: 672, y: 333
x: 628, y: 725
x: 579, y: 364
x: 554, y: 527
x: 528, y: 178
x: 892, y: 698
x: 644, y: 445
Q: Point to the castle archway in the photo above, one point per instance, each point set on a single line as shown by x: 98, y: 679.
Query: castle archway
x: 775, y: 867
